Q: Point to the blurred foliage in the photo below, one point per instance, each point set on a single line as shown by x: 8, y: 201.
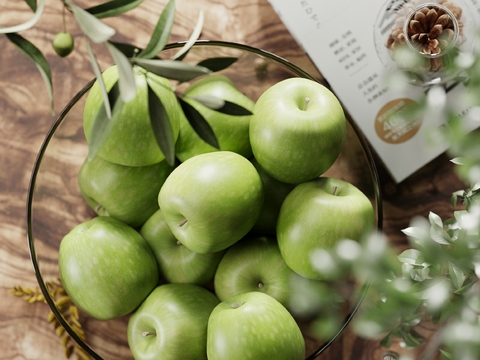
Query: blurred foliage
x: 434, y: 281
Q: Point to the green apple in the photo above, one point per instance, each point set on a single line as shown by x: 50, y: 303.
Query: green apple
x: 132, y: 141
x: 172, y: 323
x: 212, y: 200
x: 177, y: 263
x: 297, y: 130
x: 274, y: 193
x: 254, y: 264
x: 254, y: 326
x: 128, y: 193
x: 106, y: 267
x: 231, y: 131
x: 316, y: 215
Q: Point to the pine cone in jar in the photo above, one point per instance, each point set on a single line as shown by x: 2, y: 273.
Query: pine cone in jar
x: 430, y: 30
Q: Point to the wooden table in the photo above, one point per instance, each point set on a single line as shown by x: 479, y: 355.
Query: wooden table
x: 25, y: 119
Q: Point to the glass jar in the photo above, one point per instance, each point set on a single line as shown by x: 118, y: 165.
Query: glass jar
x: 422, y: 38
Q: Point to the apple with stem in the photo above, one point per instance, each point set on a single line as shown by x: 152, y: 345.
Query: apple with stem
x: 172, y: 323
x: 212, y: 200
x: 254, y: 264
x: 128, y: 193
x: 132, y: 141
x: 297, y: 130
x: 231, y: 131
x: 253, y: 325
x: 106, y: 267
x: 316, y: 215
x: 177, y: 263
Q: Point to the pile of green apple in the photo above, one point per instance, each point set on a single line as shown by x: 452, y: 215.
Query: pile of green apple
x: 202, y: 255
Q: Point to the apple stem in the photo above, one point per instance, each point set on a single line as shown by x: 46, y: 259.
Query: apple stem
x: 179, y: 243
x: 305, y: 104
x: 183, y: 222
x: 260, y: 285
x: 334, y: 190
x: 148, y: 333
x: 237, y: 305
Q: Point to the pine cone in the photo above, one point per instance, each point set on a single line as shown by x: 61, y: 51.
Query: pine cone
x: 430, y: 30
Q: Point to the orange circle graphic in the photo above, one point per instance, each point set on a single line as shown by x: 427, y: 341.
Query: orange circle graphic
x: 394, y: 125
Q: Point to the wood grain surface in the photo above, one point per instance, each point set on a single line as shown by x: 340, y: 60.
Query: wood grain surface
x: 25, y: 118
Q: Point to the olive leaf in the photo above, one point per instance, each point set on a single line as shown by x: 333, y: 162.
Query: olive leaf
x: 171, y: 69
x: 126, y: 77
x: 193, y: 38
x: 162, y: 128
x: 27, y: 24
x: 32, y: 4
x: 199, y: 124
x: 113, y: 8
x: 217, y: 63
x: 102, y: 124
x: 231, y: 108
x: 92, y: 27
x: 128, y: 50
x: 221, y: 105
x: 161, y: 33
x: 37, y: 57
x: 98, y: 76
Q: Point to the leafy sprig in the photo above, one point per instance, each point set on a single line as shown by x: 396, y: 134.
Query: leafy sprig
x: 128, y: 58
x: 435, y: 280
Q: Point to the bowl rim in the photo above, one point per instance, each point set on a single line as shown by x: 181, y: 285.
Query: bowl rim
x: 378, y: 203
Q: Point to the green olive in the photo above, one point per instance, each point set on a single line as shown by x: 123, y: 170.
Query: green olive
x: 63, y: 44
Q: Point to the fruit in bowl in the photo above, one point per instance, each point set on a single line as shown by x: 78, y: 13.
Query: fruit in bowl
x: 240, y: 202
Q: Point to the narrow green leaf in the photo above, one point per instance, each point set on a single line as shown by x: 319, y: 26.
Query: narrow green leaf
x: 458, y: 161
x: 410, y: 340
x: 411, y: 256
x: 435, y: 219
x: 171, y: 69
x: 414, y: 232
x: 126, y: 77
x: 161, y: 33
x: 386, y: 342
x: 32, y: 52
x: 199, y: 124
x: 446, y: 355
x: 92, y: 27
x: 102, y: 124
x: 231, y: 108
x: 475, y: 187
x: 98, y: 75
x: 220, y: 105
x: 209, y: 101
x: 467, y: 285
x: 32, y: 4
x: 128, y: 50
x: 218, y: 63
x: 416, y: 334
x: 162, y: 128
x: 456, y: 275
x: 437, y: 232
x: 113, y: 8
x: 193, y: 38
x: 27, y: 24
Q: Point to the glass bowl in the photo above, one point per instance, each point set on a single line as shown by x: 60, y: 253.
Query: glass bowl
x: 55, y: 204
